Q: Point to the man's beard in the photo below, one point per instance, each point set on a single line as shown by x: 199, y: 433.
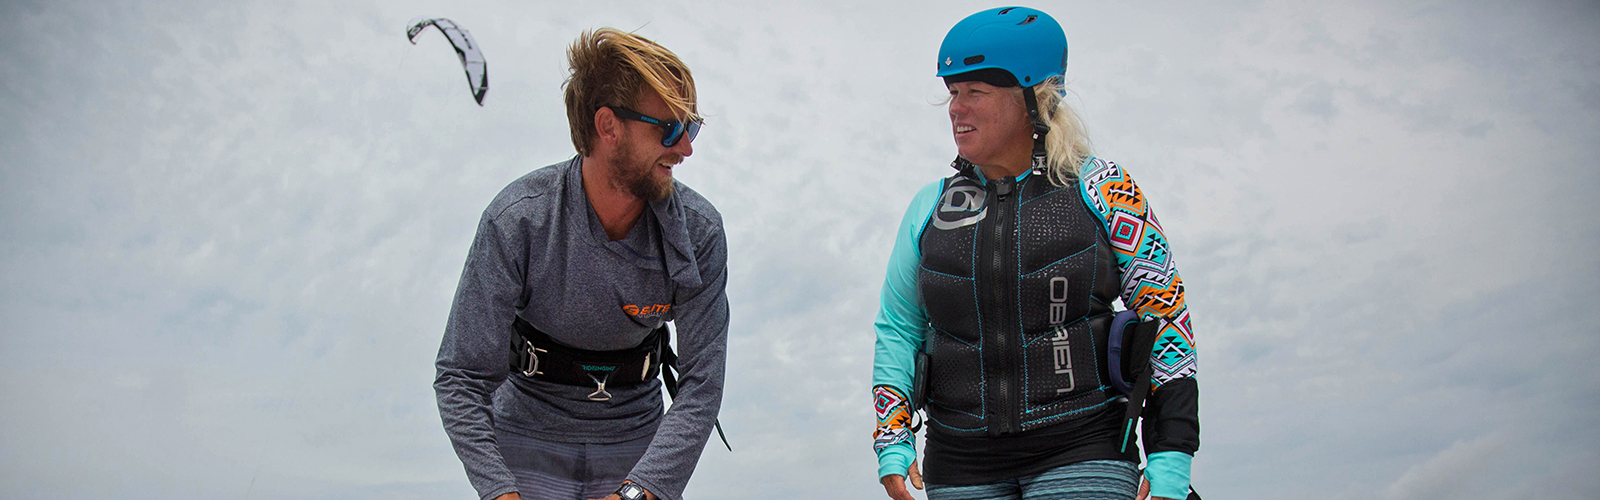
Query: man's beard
x: 636, y: 175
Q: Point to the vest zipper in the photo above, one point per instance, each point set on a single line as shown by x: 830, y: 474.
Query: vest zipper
x: 1009, y: 307
x: 999, y: 252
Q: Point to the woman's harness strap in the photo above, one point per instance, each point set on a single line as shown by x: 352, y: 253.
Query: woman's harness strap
x: 1128, y: 356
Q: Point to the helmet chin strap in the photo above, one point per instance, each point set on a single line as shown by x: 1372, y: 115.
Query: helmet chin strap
x: 1040, y: 128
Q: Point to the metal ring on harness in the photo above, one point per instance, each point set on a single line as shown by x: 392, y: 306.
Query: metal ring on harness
x: 600, y: 389
x: 533, y: 356
x: 645, y: 373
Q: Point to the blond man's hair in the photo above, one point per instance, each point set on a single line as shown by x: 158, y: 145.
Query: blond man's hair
x: 610, y: 68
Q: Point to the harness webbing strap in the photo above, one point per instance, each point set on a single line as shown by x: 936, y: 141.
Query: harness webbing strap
x: 669, y: 379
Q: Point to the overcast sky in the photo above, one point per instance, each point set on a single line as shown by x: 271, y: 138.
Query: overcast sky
x: 230, y: 231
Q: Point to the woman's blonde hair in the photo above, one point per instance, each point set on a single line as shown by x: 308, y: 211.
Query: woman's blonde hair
x: 1067, y: 145
x: 610, y: 67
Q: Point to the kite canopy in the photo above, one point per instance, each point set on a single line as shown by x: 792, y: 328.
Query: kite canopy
x: 466, y: 49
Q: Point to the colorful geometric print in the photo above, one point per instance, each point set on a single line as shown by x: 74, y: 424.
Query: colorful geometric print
x: 894, y: 418
x: 1173, y: 354
x: 1151, y: 285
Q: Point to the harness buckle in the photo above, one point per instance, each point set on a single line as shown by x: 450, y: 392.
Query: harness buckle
x: 599, y: 393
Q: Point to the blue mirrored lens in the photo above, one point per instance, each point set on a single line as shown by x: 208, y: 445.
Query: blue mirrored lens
x: 693, y: 130
x: 670, y: 132
x: 675, y: 131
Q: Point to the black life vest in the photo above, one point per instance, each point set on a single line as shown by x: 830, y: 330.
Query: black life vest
x: 1018, y: 280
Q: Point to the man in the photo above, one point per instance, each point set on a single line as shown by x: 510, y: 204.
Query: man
x: 589, y: 257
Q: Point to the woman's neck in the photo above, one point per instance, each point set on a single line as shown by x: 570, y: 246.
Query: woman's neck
x: 1009, y: 167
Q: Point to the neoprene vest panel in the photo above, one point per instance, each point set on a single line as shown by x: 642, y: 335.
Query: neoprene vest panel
x: 1018, y: 279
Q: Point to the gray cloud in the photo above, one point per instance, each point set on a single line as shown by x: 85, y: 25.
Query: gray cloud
x: 230, y: 234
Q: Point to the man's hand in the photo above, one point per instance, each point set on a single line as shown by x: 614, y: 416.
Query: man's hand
x: 895, y: 484
x: 647, y: 495
x: 509, y: 496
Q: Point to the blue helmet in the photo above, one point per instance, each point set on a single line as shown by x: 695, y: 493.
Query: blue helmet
x: 1025, y: 42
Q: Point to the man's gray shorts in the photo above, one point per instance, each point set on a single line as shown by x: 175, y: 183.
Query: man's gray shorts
x: 547, y: 470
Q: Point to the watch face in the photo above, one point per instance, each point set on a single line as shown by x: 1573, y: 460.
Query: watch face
x: 631, y: 491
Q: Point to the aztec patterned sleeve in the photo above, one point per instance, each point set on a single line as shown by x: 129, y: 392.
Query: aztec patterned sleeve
x: 1152, y: 287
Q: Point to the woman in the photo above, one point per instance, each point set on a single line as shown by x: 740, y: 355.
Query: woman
x: 1004, y: 274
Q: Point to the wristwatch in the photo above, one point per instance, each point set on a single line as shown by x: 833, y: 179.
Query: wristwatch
x: 630, y: 491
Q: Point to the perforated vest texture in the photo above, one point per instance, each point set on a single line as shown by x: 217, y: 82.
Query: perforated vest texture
x: 1017, y: 278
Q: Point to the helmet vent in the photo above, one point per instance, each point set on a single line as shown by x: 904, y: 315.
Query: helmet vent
x: 1030, y: 19
x: 972, y: 60
x: 1005, y: 10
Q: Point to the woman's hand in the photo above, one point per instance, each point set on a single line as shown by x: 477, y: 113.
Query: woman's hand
x: 1144, y: 490
x: 895, y: 484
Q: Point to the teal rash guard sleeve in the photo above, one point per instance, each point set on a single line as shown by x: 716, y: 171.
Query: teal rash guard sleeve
x: 900, y: 328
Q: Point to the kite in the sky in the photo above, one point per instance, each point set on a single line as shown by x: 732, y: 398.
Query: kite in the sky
x: 466, y: 49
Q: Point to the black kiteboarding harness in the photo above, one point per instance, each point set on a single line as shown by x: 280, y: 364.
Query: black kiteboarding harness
x: 535, y: 355
x: 1127, y: 359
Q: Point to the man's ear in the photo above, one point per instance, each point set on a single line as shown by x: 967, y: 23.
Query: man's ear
x: 607, y: 127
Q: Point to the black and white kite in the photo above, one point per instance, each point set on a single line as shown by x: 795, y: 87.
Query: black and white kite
x: 466, y: 49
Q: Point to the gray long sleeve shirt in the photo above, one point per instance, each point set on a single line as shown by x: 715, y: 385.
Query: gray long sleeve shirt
x: 541, y: 254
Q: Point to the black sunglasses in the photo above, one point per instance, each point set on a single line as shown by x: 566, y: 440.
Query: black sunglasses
x: 672, y: 131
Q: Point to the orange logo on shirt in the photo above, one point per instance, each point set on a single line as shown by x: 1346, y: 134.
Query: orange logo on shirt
x: 634, y: 310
